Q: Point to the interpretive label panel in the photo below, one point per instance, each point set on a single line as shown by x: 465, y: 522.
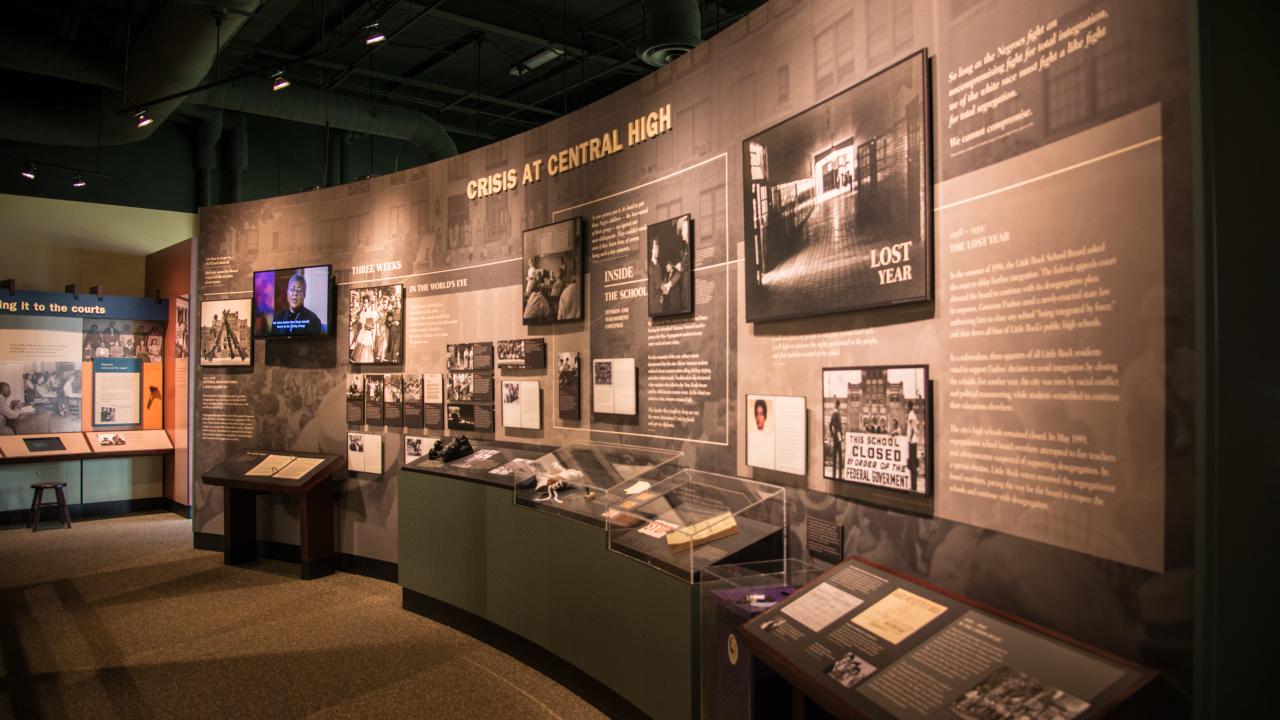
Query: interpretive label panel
x: 1055, y: 390
x: 682, y: 361
x: 117, y: 391
x: 869, y: 643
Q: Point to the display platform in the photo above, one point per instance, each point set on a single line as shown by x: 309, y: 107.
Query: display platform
x: 128, y: 442
x: 582, y: 480
x: 479, y: 467
x: 33, y: 448
x: 466, y: 547
x: 865, y: 642
x: 305, y: 475
x: 693, y: 520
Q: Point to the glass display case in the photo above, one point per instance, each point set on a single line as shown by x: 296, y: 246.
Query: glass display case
x: 694, y: 519
x: 582, y: 480
x: 735, y: 684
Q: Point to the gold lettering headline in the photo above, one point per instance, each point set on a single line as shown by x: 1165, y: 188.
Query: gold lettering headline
x: 642, y: 128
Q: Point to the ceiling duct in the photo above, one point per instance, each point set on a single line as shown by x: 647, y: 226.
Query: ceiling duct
x: 314, y: 107
x: 671, y: 29
x: 173, y: 52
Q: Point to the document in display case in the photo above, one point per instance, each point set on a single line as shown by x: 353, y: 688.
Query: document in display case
x: 867, y: 642
x: 583, y: 479
x: 694, y: 519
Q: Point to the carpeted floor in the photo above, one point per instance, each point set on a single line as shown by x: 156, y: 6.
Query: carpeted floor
x: 122, y: 618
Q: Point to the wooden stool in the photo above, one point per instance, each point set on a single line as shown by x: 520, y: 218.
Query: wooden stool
x: 37, y: 502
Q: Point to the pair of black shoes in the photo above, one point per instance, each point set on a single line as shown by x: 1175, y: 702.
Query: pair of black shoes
x: 459, y: 447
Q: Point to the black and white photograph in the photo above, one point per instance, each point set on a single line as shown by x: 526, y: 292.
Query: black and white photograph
x: 469, y: 356
x: 376, y: 319
x: 393, y: 400
x: 416, y: 447
x: 1008, y: 694
x: 669, y: 262
x: 182, y: 327
x: 526, y: 354
x: 413, y: 388
x: 225, y: 327
x: 375, y: 387
x: 569, y: 386
x: 394, y: 392
x: 355, y: 387
x: 355, y: 398
x: 849, y: 670
x: 836, y: 201
x: 123, y: 339
x: 461, y: 417
x: 106, y: 415
x: 374, y: 393
x: 40, y: 397
x: 553, y: 272
x: 510, y: 392
x: 876, y: 426
x: 604, y: 373
x: 461, y: 387
x: 459, y: 356
x: 510, y: 353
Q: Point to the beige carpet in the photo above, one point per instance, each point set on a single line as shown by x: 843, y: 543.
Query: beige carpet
x: 122, y: 618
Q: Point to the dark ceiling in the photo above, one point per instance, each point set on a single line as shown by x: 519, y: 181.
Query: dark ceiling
x: 451, y: 75
x: 451, y: 60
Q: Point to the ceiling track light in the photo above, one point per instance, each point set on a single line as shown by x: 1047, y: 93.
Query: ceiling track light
x: 279, y: 81
x: 29, y: 171
x: 143, y: 118
x: 375, y: 35
x: 78, y: 181
x: 536, y: 61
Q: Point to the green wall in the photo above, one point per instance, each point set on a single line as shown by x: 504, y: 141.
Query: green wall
x: 105, y: 480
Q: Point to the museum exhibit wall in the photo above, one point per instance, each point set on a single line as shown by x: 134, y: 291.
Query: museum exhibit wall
x: 65, y: 241
x: 77, y: 369
x: 1055, y: 480
x: 168, y: 272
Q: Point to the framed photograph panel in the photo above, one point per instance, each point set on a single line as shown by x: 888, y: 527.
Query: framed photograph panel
x: 375, y: 318
x: 837, y: 204
x: 877, y: 427
x: 553, y: 272
x: 669, y: 260
x: 225, y: 333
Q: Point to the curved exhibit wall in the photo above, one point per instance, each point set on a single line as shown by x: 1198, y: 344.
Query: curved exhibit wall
x: 974, y: 273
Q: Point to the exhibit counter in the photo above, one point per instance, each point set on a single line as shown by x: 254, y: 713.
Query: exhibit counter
x: 106, y: 473
x: 471, y: 557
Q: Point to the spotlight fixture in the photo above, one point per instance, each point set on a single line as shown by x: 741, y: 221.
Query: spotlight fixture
x: 29, y: 171
x: 375, y: 35
x: 143, y: 118
x: 78, y: 181
x: 279, y: 81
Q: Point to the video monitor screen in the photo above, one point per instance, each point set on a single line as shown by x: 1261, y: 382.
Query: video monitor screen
x: 292, y: 302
